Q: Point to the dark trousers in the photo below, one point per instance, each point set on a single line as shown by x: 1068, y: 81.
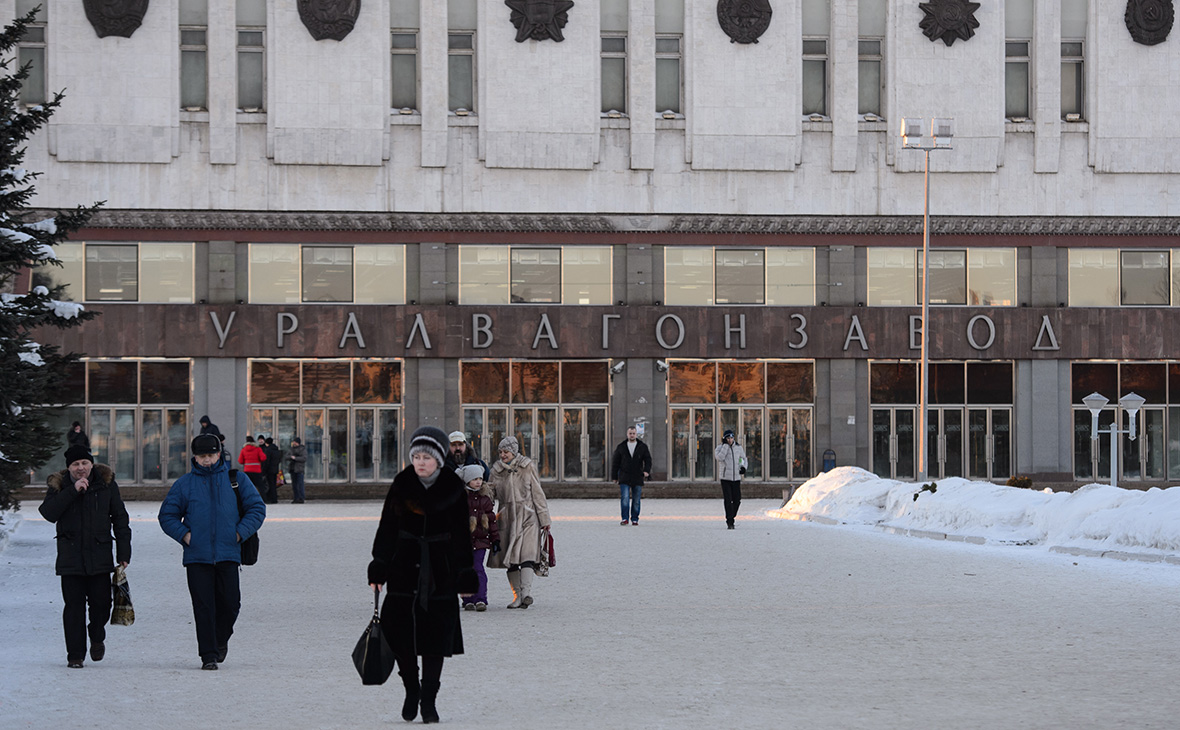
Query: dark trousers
x: 78, y: 591
x: 272, y: 488
x: 731, y: 493
x: 297, y: 494
x: 217, y: 598
x: 407, y: 667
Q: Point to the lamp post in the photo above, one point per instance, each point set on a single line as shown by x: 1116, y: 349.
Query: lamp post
x: 1131, y: 403
x: 914, y: 137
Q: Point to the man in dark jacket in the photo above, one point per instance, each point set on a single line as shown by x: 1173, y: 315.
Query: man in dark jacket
x: 271, y: 467
x: 630, y: 465
x: 210, y: 427
x: 463, y: 454
x: 298, y: 457
x: 201, y: 513
x: 84, y: 502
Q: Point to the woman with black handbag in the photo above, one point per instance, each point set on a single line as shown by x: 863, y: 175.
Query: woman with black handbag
x: 422, y: 551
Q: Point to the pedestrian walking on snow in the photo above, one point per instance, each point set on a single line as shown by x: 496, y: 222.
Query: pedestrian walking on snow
x: 485, y: 535
x: 84, y: 503
x: 422, y: 552
x: 201, y: 513
x: 523, y: 517
x: 731, y: 460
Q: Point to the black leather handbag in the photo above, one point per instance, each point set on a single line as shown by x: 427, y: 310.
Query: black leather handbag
x: 250, y: 544
x: 372, y: 656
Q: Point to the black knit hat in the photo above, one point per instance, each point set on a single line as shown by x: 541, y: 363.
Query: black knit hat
x: 431, y: 440
x: 78, y: 452
x: 206, y: 443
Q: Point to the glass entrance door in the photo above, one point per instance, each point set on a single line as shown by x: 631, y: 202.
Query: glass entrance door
x: 893, y: 442
x: 112, y: 439
x: 944, y: 443
x: 536, y: 430
x: 693, y: 440
x: 1143, y: 458
x: 789, y: 448
x: 989, y: 443
x: 374, y: 440
x: 583, y: 444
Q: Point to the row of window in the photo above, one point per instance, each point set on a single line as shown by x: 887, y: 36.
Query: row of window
x: 669, y: 25
x: 282, y: 273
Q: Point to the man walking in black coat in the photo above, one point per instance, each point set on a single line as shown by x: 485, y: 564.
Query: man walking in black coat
x: 630, y: 465
x: 84, y: 502
x: 270, y: 468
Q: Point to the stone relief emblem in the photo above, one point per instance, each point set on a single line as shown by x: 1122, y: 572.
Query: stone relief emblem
x: 949, y: 20
x: 115, y: 17
x: 744, y: 21
x: 539, y: 19
x: 1149, y: 21
x: 329, y: 19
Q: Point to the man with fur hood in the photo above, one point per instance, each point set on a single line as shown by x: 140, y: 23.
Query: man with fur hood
x: 84, y: 502
x: 485, y: 535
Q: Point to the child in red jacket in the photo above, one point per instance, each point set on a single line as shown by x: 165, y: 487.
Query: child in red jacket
x: 485, y: 535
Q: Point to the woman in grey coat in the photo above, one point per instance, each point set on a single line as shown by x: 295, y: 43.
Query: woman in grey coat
x: 523, y: 515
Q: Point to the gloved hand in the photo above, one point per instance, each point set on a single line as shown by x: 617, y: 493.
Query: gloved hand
x: 495, y: 547
x: 742, y: 470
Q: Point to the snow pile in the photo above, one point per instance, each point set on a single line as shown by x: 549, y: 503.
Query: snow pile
x: 1096, y: 517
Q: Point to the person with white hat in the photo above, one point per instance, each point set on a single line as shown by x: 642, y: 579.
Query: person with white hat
x: 463, y: 454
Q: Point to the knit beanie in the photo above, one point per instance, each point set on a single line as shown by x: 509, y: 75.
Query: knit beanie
x: 470, y: 473
x: 430, y: 440
x: 77, y: 453
x: 509, y: 443
x: 205, y: 444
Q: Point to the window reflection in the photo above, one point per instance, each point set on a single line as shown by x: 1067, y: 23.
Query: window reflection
x: 327, y: 274
x: 112, y: 382
x: 484, y: 382
x: 585, y: 382
x: 377, y: 382
x: 740, y: 382
x: 536, y: 275
x: 1094, y: 377
x: 692, y: 382
x: 893, y: 382
x: 790, y: 382
x: 1145, y: 278
x: 946, y: 383
x: 534, y: 382
x: 326, y: 382
x: 164, y: 382
x: 740, y: 277
x: 274, y: 382
x: 989, y: 382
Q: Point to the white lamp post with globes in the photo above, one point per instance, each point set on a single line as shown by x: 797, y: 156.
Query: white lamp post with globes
x: 1131, y: 403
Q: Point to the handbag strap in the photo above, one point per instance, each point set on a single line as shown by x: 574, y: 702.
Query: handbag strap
x: 376, y: 603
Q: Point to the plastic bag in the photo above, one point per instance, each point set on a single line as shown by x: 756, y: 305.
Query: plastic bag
x: 122, y: 613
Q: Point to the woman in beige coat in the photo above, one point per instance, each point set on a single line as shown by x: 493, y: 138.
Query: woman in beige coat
x: 523, y: 515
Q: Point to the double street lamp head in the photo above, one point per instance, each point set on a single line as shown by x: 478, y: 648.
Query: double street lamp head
x: 923, y: 134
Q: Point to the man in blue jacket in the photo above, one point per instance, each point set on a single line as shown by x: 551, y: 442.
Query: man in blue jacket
x: 201, y: 513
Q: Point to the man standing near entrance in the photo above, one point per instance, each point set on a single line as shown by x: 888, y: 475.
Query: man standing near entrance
x: 731, y: 460
x: 630, y: 465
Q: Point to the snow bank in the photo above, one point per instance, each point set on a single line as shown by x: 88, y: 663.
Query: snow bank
x: 1097, y: 517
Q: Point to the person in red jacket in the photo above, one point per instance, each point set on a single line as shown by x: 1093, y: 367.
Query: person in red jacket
x: 251, y: 458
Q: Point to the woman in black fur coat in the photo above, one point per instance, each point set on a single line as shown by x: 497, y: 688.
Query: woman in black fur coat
x: 422, y: 551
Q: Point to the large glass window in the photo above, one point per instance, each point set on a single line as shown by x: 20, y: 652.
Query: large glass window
x: 1074, y: 14
x: 669, y: 36
x: 703, y: 275
x: 194, y: 70
x: 817, y: 22
x: 288, y: 273
x: 871, y: 21
x: 1018, y: 28
x: 122, y: 272
x: 1107, y: 277
x: 403, y: 21
x: 31, y: 52
x: 461, y: 25
x: 534, y: 275
x: 973, y: 276
x: 614, y: 25
x: 251, y: 20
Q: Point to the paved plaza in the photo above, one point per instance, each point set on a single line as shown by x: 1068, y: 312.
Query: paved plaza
x: 677, y: 623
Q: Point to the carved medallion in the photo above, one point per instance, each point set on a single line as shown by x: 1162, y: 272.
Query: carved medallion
x: 539, y: 19
x: 115, y: 17
x: 949, y: 20
x: 1149, y: 21
x: 329, y: 19
x: 744, y: 21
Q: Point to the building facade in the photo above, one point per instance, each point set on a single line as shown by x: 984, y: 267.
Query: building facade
x: 557, y: 221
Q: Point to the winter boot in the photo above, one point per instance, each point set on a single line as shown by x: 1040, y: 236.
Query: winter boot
x: 514, y: 581
x: 413, y: 692
x: 429, y: 694
x: 526, y: 587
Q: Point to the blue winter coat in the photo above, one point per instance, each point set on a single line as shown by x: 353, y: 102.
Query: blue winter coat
x: 202, y: 502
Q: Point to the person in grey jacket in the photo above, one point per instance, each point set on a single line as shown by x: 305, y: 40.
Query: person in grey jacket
x: 731, y: 465
x: 298, y: 458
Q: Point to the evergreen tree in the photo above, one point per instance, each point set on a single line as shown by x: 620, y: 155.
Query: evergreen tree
x: 31, y: 375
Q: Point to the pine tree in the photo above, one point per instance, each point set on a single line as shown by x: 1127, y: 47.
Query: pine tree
x: 30, y: 374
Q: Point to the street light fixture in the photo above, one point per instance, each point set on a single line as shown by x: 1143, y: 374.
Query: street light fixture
x: 1131, y: 403
x: 914, y: 137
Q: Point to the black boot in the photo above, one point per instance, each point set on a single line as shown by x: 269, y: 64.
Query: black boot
x: 429, y: 693
x: 413, y: 691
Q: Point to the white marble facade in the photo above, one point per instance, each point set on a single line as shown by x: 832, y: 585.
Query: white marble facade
x: 328, y: 140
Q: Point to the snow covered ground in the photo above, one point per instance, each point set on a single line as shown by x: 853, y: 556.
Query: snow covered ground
x: 1095, y: 520
x: 677, y: 623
